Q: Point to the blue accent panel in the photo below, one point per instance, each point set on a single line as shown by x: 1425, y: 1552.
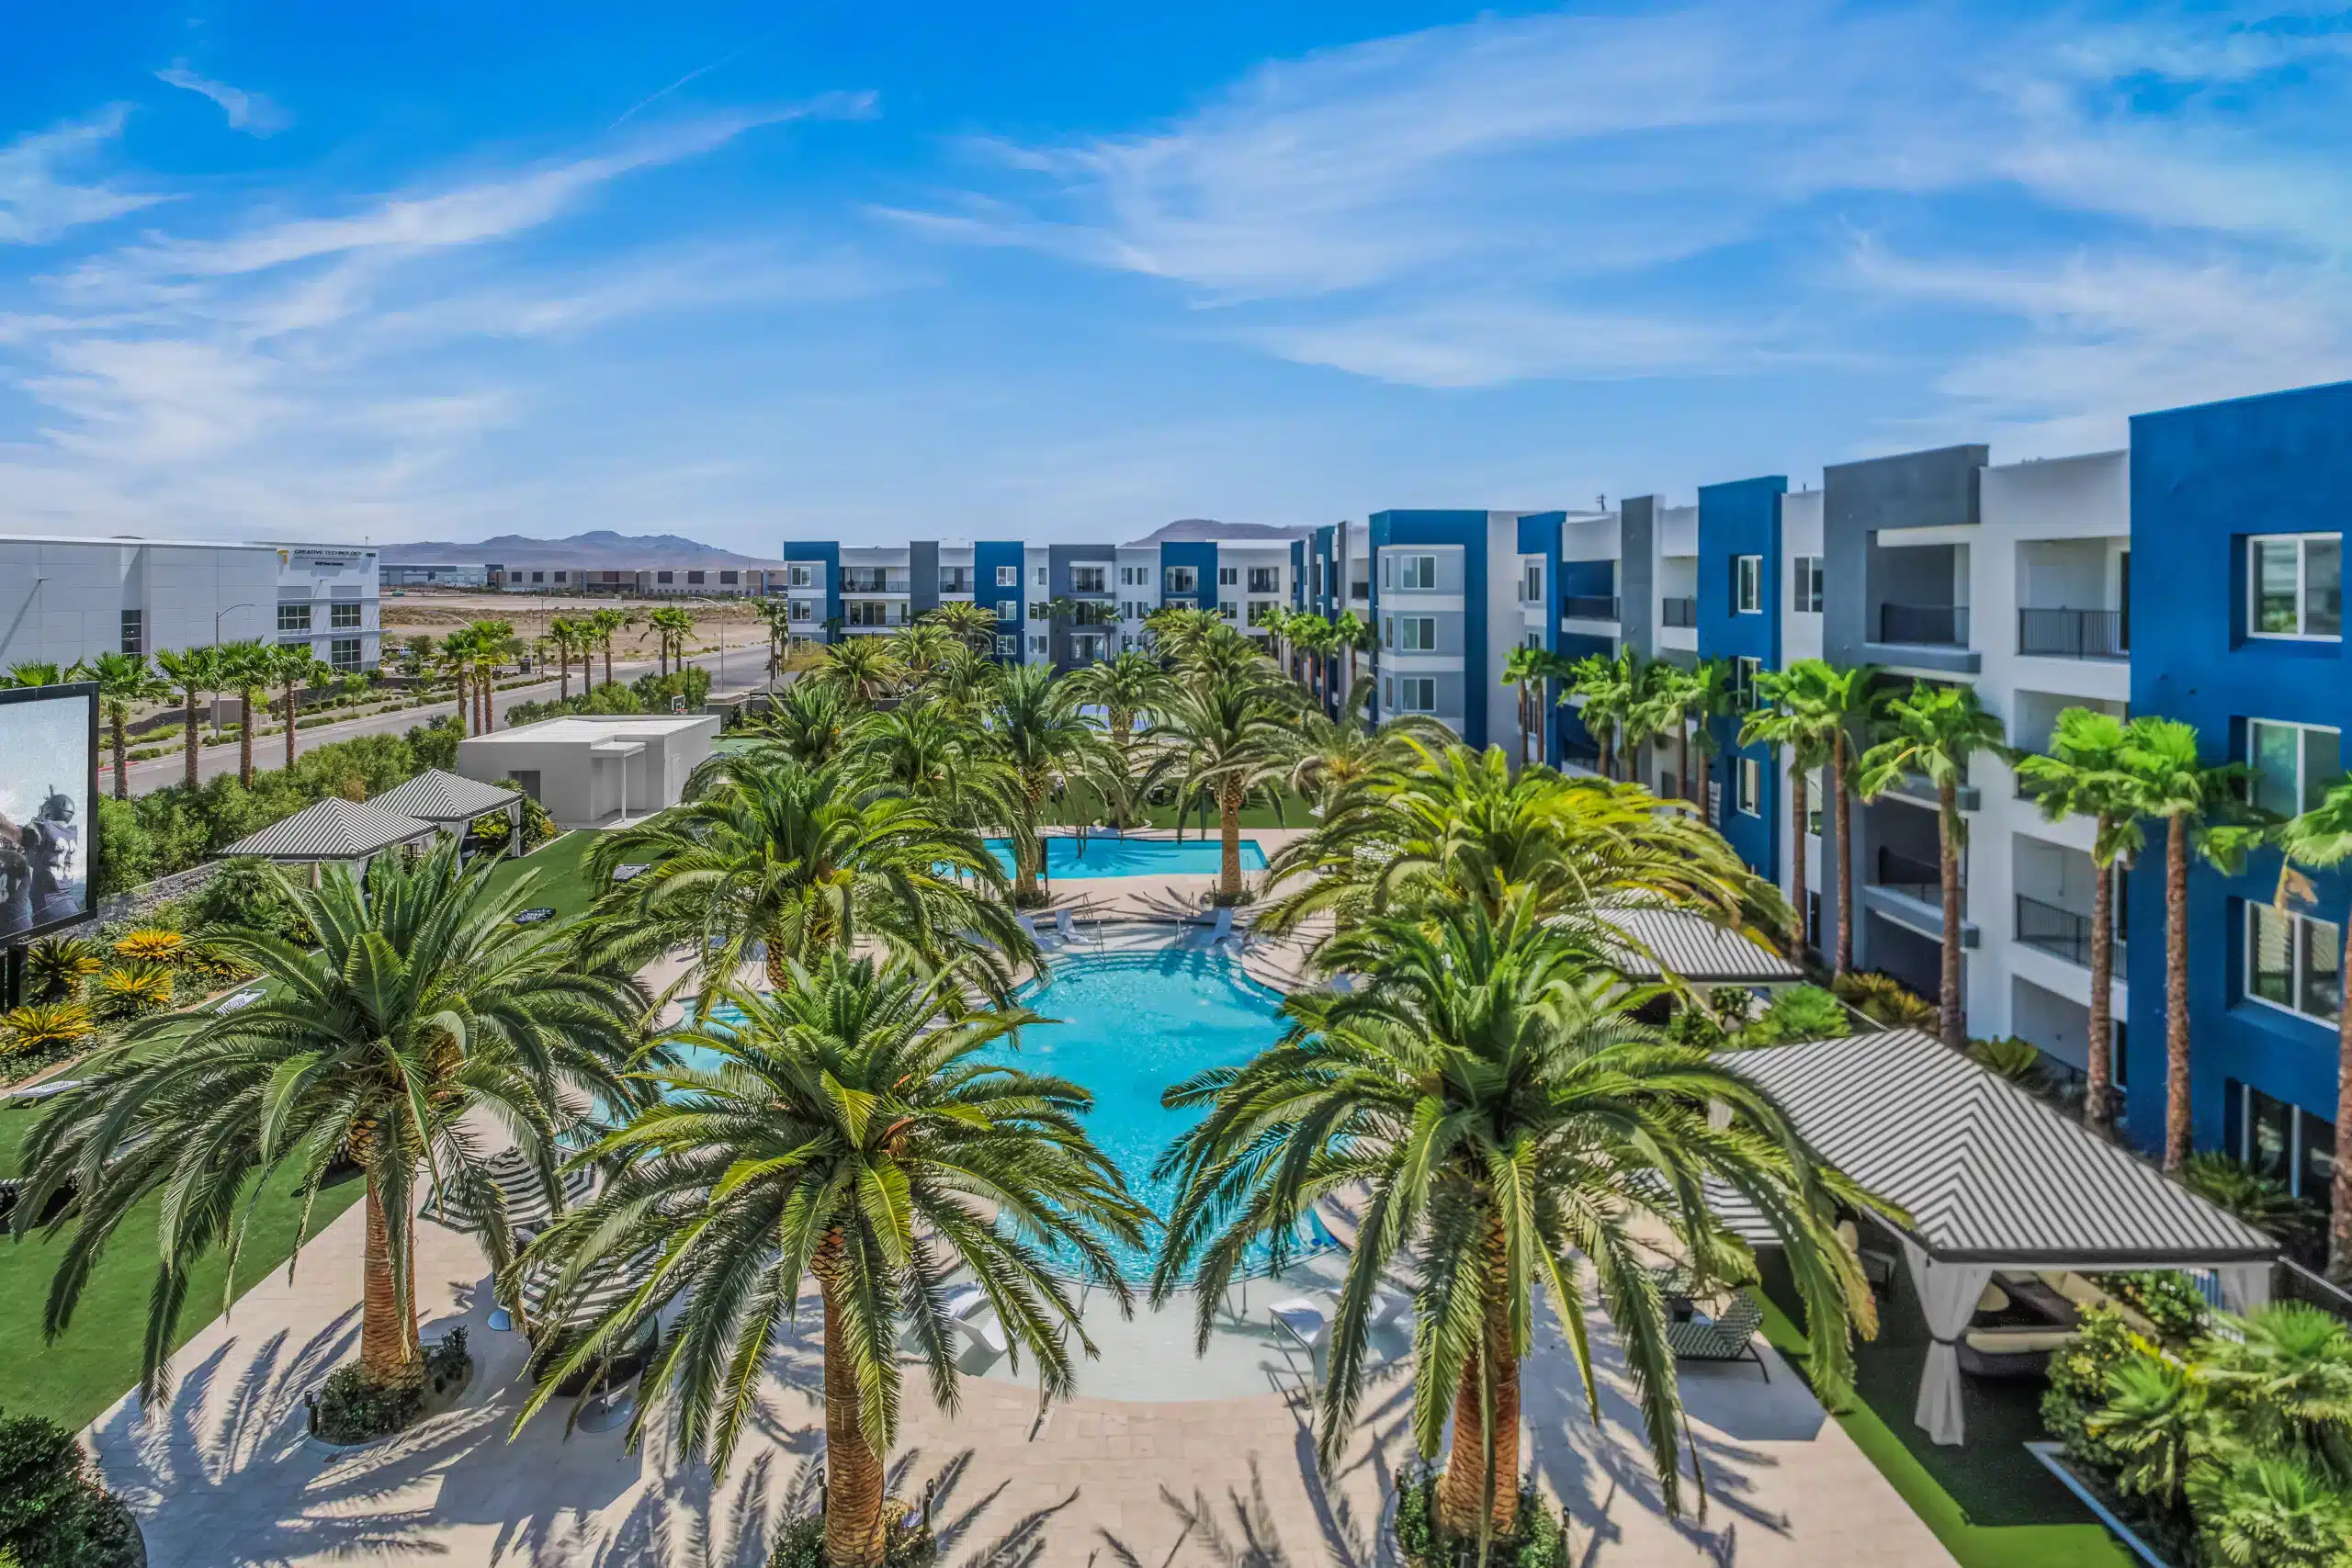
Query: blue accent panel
x: 1743, y: 518
x: 1539, y: 535
x: 829, y: 553
x: 1467, y: 529
x: 2202, y: 480
x: 1201, y: 555
x: 1596, y: 579
x: 988, y: 556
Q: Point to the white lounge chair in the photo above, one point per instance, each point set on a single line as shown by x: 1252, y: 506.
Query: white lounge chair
x: 1046, y: 940
x: 1064, y: 931
x: 982, y: 1332
x: 1218, y: 930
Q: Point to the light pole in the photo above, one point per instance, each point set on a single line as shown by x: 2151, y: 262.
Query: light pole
x: 217, y: 615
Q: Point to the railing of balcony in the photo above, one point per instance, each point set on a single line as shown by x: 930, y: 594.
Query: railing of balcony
x: 1589, y: 607
x: 2074, y: 634
x: 1935, y: 625
x: 955, y: 582
x: 1900, y: 873
x: 1682, y: 612
x: 2063, y: 933
x: 872, y: 580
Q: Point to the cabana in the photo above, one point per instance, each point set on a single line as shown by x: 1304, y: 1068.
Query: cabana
x: 1693, y: 948
x: 335, y: 831
x: 452, y: 804
x: 1992, y: 1178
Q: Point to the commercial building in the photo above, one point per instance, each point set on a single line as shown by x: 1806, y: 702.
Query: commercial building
x: 68, y: 599
x: 635, y: 581
x: 440, y: 574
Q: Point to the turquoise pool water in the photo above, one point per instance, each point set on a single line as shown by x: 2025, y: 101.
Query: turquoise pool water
x: 1103, y: 854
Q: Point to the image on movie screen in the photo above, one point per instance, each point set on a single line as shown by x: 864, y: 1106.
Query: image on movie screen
x: 44, y: 813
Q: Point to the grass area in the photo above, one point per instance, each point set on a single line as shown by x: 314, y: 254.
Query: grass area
x: 96, y: 1359
x: 558, y: 872
x: 1081, y: 805
x: 1990, y: 1503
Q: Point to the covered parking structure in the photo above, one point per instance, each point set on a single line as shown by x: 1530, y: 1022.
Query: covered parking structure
x: 1991, y: 1178
x: 335, y: 832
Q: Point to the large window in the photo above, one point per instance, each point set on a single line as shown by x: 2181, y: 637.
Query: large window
x: 1184, y: 580
x: 1748, y: 584
x: 1008, y: 577
x: 343, y: 617
x: 343, y: 654
x: 1413, y: 693
x: 293, y: 617
x: 1229, y: 608
x: 1805, y: 586
x: 1088, y: 580
x: 2297, y: 580
x: 1745, y: 669
x: 2283, y: 1141
x: 795, y: 576
x: 1409, y: 573
x: 803, y: 611
x: 2294, y: 961
x: 1228, y: 577
x: 1530, y: 584
x: 1008, y: 609
x: 2297, y: 763
x: 1265, y: 580
x: 1412, y: 634
x: 1008, y: 646
x: 1751, y: 788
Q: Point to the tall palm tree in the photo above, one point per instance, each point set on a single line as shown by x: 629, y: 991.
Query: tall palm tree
x: 974, y: 624
x: 1313, y: 637
x: 2321, y: 838
x: 769, y: 857
x: 1179, y: 632
x: 1126, y: 687
x: 424, y: 1008
x: 2083, y: 775
x: 855, y: 1134
x: 1226, y: 738
x: 1523, y: 668
x: 191, y: 671
x: 456, y: 657
x: 922, y: 648
x: 571, y: 638
x: 123, y: 679
x: 605, y: 624
x: 1355, y: 634
x: 863, y: 667
x: 1933, y: 732
x: 1610, y: 690
x: 1506, y: 1127
x: 292, y: 667
x: 490, y: 641
x: 1033, y: 715
x: 928, y: 751
x: 1333, y: 755
x: 775, y: 620
x: 813, y: 722
x: 673, y: 627
x: 1707, y: 696
x: 1805, y: 718
x: 1852, y: 692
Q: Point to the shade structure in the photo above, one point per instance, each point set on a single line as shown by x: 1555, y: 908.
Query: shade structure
x: 333, y: 831
x: 1691, y: 947
x: 614, y: 1280
x: 1990, y: 1177
x: 521, y: 1193
x: 1730, y: 1207
x: 438, y: 797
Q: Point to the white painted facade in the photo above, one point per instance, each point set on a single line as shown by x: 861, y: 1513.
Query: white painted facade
x: 587, y: 770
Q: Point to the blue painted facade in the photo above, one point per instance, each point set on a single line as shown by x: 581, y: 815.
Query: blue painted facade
x: 1201, y: 555
x: 988, y: 556
x: 1743, y: 518
x: 2203, y: 479
x: 1468, y: 530
x: 827, y: 553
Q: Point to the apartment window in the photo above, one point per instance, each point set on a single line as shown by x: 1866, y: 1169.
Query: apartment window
x: 695, y: 579
x: 1043, y: 580
x: 1008, y: 646
x: 2297, y: 580
x: 799, y: 577
x: 1314, y: 576
x: 1412, y: 634
x: 134, y: 631
x: 1037, y: 648
x: 730, y: 578
x: 1530, y: 584
x: 1265, y: 580
x: 1008, y: 609
x: 1751, y: 788
x: 343, y: 617
x: 1258, y: 612
x: 803, y: 611
x: 1748, y: 584
x: 1744, y: 672
x: 1228, y: 608
x: 2294, y: 961
x: 2281, y: 1141
x: 1129, y: 576
x: 343, y: 654
x: 1228, y: 577
x: 559, y: 577
x: 665, y: 576
x: 1086, y: 580
x: 952, y: 581
x: 293, y: 617
x: 1008, y: 577
x: 1409, y: 573
x: 1183, y: 579
x: 1806, y: 590
x: 2297, y: 763
x: 1415, y: 694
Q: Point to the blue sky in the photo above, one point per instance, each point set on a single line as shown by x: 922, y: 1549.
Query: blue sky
x: 876, y: 271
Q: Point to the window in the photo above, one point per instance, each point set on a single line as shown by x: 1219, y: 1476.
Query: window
x: 1415, y: 694
x: 343, y: 654
x: 1043, y: 580
x: 803, y: 611
x: 665, y: 576
x: 1008, y: 577
x: 134, y: 631
x: 1410, y: 573
x: 1086, y: 580
x: 1744, y: 672
x: 1530, y: 584
x: 1037, y: 648
x: 1228, y: 608
x: 1751, y: 788
x: 558, y: 576
x: 1131, y: 577
x: 1314, y: 576
x: 1748, y: 585
x: 2297, y: 580
x: 800, y: 576
x: 1008, y: 646
x: 1265, y: 580
x: 343, y: 617
x: 1413, y: 633
x: 695, y: 579
x: 1806, y: 590
x: 730, y: 578
x: 952, y: 580
x: 1258, y: 612
x: 1008, y: 609
x: 2291, y: 961
x: 2297, y: 762
x: 293, y: 617
x: 1228, y: 577
x: 538, y: 576
x: 1183, y: 579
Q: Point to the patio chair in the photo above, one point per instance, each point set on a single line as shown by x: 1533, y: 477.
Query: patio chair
x: 983, y: 1332
x: 1730, y: 1336
x: 1218, y: 929
x: 1044, y: 940
x: 1064, y: 932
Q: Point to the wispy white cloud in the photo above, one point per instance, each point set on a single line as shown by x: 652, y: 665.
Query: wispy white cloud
x: 41, y: 194
x: 253, y: 113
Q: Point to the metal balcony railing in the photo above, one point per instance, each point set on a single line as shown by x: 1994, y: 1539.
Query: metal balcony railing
x: 1934, y: 626
x: 1683, y: 611
x: 2074, y: 634
x: 1589, y: 607
x: 2062, y: 932
x: 1899, y: 873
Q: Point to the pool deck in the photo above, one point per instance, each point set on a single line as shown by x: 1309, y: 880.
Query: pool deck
x: 1163, y: 1459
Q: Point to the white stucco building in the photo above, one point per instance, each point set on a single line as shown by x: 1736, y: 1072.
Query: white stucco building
x: 587, y: 770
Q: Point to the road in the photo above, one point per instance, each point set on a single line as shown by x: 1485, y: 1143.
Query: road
x: 745, y: 667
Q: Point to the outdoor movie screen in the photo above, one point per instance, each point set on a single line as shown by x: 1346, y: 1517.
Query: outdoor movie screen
x: 47, y: 769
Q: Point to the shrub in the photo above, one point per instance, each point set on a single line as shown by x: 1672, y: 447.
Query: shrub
x: 801, y: 1543
x: 435, y: 745
x: 42, y: 1028
x: 150, y: 944
x: 1800, y: 1012
x: 1886, y: 1000
x: 2262, y: 1201
x: 55, y: 967
x: 1541, y: 1542
x: 2020, y: 1061
x: 133, y: 990
x: 53, y: 1513
x: 2163, y: 1296
x: 348, y: 1408
x: 242, y: 895
x: 491, y: 831
x: 2078, y: 1377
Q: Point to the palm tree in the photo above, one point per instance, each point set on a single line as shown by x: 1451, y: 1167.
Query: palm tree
x: 123, y: 679
x: 2083, y: 776
x: 1179, y: 632
x: 1334, y: 754
x: 1610, y: 689
x: 1033, y: 718
x: 1933, y: 732
x: 2321, y: 838
x: 813, y: 721
x: 1230, y: 738
x: 922, y: 648
x: 857, y: 1134
x: 489, y: 641
x: 35, y: 672
x: 863, y: 667
x: 1523, y: 668
x: 1356, y: 634
x: 674, y: 626
x: 1806, y: 720
x: 1707, y: 696
x: 770, y: 857
x: 293, y: 666
x: 776, y: 619
x: 456, y: 657
x: 925, y: 749
x: 190, y: 671
x: 423, y: 1010
x: 969, y: 622
x: 1504, y: 1127
x: 1314, y: 636
x: 1126, y: 686
x: 605, y: 624
x: 571, y: 637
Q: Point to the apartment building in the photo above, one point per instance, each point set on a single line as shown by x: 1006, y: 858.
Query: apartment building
x: 65, y: 599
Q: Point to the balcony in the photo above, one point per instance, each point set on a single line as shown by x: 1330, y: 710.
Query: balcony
x: 1928, y: 626
x: 955, y: 582
x: 1907, y: 875
x: 1679, y: 612
x: 872, y: 580
x: 2062, y: 933
x: 2074, y: 634
x: 1588, y: 607
x: 1909, y: 891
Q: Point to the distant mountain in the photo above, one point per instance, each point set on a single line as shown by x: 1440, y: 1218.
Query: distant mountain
x: 603, y: 547
x: 1199, y: 530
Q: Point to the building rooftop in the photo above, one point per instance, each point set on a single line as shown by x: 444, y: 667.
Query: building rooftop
x: 583, y: 728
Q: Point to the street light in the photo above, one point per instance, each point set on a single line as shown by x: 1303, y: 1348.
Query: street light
x: 216, y: 614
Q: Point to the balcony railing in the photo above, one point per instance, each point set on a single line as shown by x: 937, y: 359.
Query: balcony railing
x: 1932, y: 625
x: 855, y: 580
x: 1900, y: 873
x: 1589, y: 607
x: 1682, y: 612
x: 2062, y: 933
x: 2073, y: 634
x: 955, y: 582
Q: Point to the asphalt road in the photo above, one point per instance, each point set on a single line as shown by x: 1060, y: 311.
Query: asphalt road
x: 745, y: 667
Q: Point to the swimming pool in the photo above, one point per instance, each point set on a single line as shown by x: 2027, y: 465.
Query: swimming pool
x: 1110, y: 855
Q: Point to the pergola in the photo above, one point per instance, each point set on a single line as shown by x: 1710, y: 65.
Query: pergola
x: 333, y: 832
x: 1693, y: 948
x: 451, y: 802
x: 1992, y: 1178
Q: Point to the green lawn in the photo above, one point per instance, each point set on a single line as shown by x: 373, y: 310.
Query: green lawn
x: 1990, y: 1503
x: 98, y: 1358
x: 1081, y: 805
x: 558, y: 880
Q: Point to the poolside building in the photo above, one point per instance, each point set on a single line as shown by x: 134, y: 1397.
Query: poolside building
x: 589, y: 771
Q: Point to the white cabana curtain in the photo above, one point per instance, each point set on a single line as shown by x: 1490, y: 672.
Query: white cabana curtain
x: 1948, y: 1297
x: 2245, y: 1287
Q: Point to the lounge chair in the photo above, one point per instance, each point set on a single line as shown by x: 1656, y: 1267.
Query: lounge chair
x: 1046, y: 940
x: 1064, y: 932
x: 983, y: 1332
x: 1218, y: 930
x: 1728, y: 1337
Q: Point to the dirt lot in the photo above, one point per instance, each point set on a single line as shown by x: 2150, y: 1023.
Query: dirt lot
x: 435, y: 613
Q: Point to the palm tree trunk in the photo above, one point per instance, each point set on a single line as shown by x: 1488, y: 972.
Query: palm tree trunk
x: 387, y: 1323
x: 1798, y: 821
x: 2098, y: 1114
x: 293, y: 693
x: 1947, y: 854
x: 121, y: 755
x: 854, y: 1534
x: 563, y: 690
x: 464, y: 711
x: 608, y: 660
x: 2176, y: 992
x: 2339, y: 1222
x: 1682, y: 749
x: 1024, y: 869
x: 1523, y: 729
x: 1462, y: 1492
x: 245, y: 738
x: 1844, y: 803
x: 189, y: 746
x: 1228, y: 822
